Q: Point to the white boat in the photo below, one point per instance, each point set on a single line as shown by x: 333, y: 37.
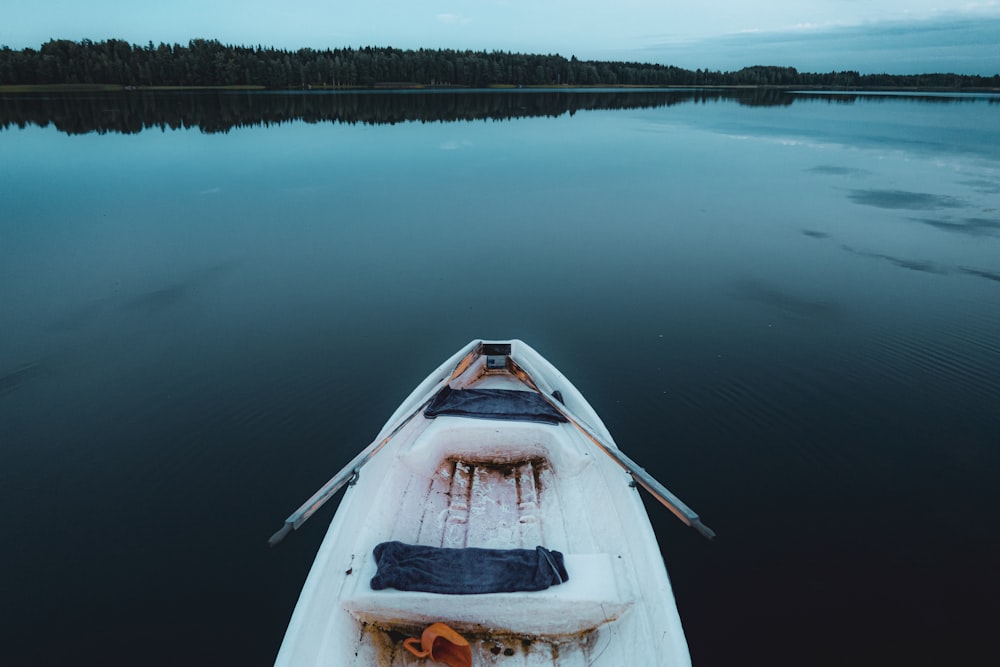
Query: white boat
x: 499, y: 478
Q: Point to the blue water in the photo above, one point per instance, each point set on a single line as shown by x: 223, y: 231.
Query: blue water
x: 789, y: 314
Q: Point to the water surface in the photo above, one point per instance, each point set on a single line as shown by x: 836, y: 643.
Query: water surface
x: 786, y: 307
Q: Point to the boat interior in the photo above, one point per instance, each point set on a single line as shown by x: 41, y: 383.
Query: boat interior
x: 460, y: 482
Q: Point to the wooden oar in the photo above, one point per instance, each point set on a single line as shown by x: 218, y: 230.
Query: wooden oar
x: 527, y: 375
x: 349, y: 472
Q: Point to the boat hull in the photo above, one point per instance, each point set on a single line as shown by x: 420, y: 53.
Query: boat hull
x: 459, y: 482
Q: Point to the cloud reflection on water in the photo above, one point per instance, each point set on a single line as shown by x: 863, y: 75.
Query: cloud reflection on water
x: 969, y: 226
x: 902, y: 199
x: 759, y: 293
x: 833, y: 170
x: 982, y: 185
x: 988, y: 275
x: 755, y: 290
x: 924, y: 266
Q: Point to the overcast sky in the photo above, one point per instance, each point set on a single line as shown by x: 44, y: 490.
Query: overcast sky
x: 895, y: 36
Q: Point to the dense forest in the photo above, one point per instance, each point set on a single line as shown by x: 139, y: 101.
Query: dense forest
x: 210, y: 63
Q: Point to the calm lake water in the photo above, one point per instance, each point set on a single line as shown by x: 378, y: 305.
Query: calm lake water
x: 785, y: 306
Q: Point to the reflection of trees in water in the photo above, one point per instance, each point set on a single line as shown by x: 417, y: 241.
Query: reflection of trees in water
x: 879, y: 97
x: 135, y: 111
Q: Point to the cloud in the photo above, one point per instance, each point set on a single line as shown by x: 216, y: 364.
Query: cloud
x: 955, y: 42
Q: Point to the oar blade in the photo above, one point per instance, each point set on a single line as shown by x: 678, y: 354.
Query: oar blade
x: 276, y: 539
x: 707, y: 532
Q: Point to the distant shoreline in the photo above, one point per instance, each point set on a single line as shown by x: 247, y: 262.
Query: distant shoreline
x: 110, y: 65
x: 390, y: 87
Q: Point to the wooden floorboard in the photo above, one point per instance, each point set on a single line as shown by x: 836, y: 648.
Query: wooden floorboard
x: 457, y: 524
x: 436, y: 510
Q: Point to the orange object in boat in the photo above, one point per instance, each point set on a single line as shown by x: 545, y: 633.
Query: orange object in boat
x: 441, y: 644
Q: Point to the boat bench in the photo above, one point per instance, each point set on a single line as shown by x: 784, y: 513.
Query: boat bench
x: 586, y: 601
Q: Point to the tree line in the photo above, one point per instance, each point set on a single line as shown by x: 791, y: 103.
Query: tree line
x: 210, y: 63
